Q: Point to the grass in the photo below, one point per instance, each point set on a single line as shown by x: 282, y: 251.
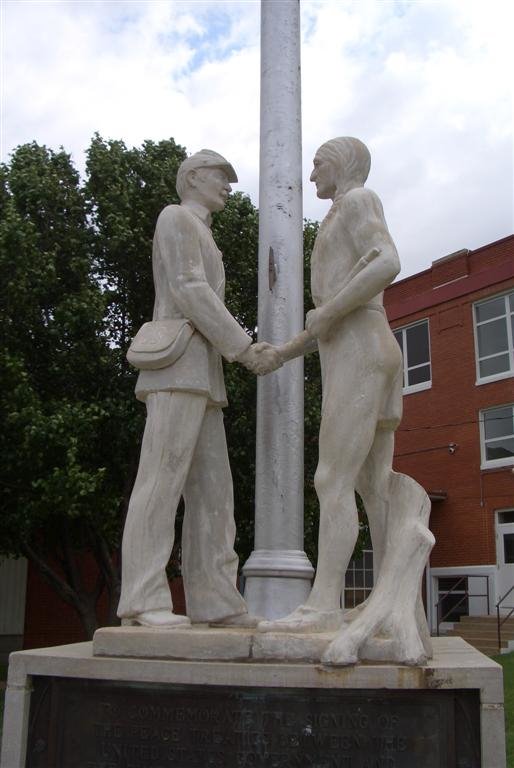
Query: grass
x: 3, y: 676
x: 507, y: 662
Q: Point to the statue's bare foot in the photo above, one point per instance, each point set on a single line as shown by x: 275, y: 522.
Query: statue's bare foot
x: 394, y: 649
x: 408, y: 647
x: 305, y: 619
x: 242, y: 620
x: 162, y: 619
x: 353, y: 613
x: 342, y: 651
x: 398, y: 641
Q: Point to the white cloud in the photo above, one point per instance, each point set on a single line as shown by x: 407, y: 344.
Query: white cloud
x: 426, y: 85
x: 432, y: 96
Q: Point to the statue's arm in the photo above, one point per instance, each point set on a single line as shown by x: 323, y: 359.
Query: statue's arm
x: 300, y: 345
x: 377, y: 265
x: 178, y: 241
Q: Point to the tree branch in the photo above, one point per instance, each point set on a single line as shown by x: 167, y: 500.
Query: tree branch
x: 72, y: 569
x: 61, y: 587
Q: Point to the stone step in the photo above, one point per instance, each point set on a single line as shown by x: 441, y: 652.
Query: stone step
x: 477, y: 640
x: 481, y: 640
x: 493, y: 629
x: 481, y: 632
x: 485, y: 620
x: 485, y: 643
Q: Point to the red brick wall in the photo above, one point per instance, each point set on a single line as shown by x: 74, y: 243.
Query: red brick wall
x: 448, y: 412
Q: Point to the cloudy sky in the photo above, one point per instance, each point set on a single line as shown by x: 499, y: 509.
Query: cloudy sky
x: 427, y: 85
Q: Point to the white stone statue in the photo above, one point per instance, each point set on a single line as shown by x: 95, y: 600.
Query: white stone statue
x: 184, y: 450
x: 353, y: 260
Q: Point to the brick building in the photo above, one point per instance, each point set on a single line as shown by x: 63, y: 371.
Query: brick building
x: 455, y: 324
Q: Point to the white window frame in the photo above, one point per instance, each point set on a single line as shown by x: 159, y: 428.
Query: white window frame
x: 491, y: 463
x: 409, y: 389
x: 364, y: 588
x: 504, y: 374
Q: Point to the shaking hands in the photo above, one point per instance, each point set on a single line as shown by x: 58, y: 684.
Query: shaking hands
x: 261, y: 358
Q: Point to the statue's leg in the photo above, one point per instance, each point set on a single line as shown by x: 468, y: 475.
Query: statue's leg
x: 373, y: 487
x: 347, y: 434
x: 172, y: 427
x: 338, y: 531
x: 350, y: 408
x: 209, y: 562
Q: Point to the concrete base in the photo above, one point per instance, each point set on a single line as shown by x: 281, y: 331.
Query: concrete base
x: 455, y: 666
x: 203, y: 643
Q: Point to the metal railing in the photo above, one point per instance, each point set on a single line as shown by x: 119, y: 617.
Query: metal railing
x: 499, y: 623
x: 466, y: 594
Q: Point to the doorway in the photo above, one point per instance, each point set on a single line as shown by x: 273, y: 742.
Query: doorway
x: 505, y: 552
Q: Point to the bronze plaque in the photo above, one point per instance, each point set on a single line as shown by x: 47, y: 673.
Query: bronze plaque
x: 101, y: 724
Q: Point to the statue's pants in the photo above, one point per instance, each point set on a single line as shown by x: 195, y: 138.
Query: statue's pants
x: 184, y: 452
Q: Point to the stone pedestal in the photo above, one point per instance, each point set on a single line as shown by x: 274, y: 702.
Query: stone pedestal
x: 66, y: 708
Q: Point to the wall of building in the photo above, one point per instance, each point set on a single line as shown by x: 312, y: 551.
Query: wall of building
x: 438, y: 441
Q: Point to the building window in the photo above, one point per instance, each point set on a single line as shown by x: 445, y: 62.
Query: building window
x: 414, y: 342
x: 359, y: 579
x: 497, y: 436
x: 494, y: 332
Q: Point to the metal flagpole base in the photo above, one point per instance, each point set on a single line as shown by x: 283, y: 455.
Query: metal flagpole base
x: 276, y: 581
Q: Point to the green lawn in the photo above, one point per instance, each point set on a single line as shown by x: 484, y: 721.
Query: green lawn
x: 507, y: 662
x: 3, y: 675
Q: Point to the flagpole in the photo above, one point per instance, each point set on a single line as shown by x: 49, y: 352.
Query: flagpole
x: 278, y: 573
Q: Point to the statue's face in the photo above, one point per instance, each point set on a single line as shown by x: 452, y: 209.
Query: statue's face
x: 324, y: 177
x: 210, y: 187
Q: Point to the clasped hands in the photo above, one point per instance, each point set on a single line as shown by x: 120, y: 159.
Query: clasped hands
x: 261, y: 358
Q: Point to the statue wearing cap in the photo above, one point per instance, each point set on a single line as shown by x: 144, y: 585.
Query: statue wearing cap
x: 184, y: 451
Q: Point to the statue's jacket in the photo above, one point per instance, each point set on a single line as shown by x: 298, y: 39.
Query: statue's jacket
x: 189, y: 281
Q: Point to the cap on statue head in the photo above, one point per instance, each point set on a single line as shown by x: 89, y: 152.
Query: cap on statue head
x: 206, y: 158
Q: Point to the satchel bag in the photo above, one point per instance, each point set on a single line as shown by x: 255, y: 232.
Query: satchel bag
x: 159, y: 343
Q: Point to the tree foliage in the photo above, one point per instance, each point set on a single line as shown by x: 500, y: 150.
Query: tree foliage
x: 55, y: 363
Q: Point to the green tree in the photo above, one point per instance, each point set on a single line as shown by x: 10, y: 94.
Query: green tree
x: 127, y: 189
x: 55, y: 362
